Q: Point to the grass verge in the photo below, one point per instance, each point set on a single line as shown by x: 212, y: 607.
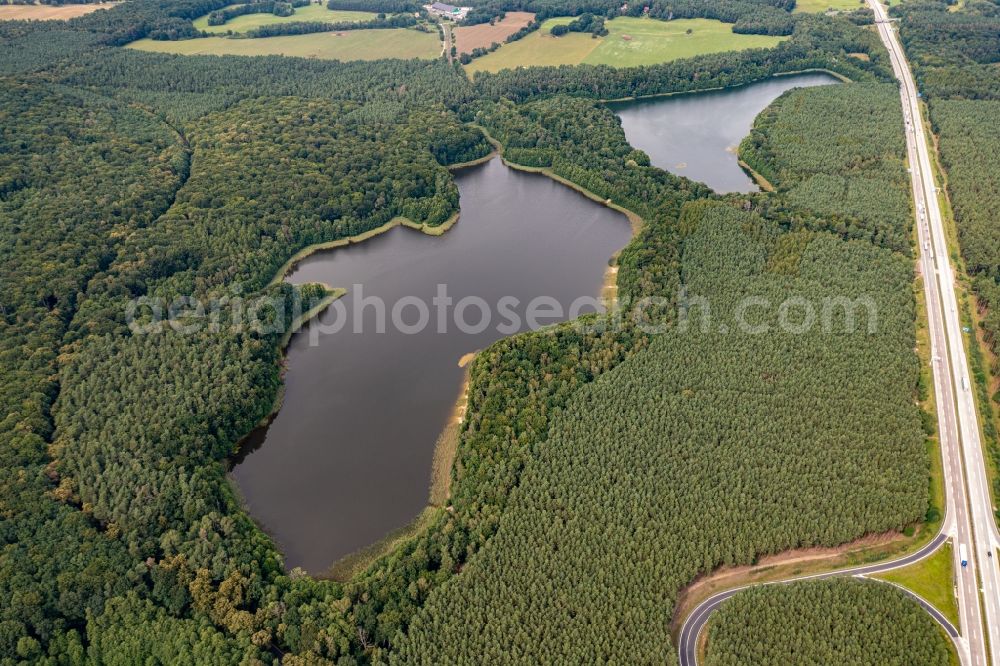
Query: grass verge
x: 798, y: 563
x: 932, y: 578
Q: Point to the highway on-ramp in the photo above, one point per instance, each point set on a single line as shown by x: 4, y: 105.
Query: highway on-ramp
x: 695, y: 622
x: 969, y: 508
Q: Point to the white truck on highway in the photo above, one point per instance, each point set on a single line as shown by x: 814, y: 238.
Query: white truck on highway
x: 962, y: 556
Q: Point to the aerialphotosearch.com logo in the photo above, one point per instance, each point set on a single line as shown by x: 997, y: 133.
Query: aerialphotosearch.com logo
x: 473, y: 315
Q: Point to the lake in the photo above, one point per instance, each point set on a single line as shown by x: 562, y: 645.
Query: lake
x: 696, y: 135
x: 348, y: 457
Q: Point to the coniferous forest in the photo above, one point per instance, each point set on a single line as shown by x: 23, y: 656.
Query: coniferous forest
x: 598, y: 471
x: 838, y: 622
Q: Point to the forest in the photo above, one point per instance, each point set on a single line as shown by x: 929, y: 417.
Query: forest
x: 837, y: 622
x: 954, y: 52
x: 621, y: 508
x: 126, y: 174
x: 856, y: 185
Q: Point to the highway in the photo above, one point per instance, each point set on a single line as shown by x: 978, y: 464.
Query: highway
x: 969, y: 509
x: 971, y: 512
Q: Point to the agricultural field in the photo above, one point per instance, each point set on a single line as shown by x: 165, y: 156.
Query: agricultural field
x: 837, y: 622
x: 48, y: 12
x: 483, y: 35
x: 814, y: 6
x: 350, y: 45
x: 309, y: 13
x: 631, y: 42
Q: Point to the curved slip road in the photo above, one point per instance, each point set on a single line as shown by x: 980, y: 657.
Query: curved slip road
x: 696, y: 621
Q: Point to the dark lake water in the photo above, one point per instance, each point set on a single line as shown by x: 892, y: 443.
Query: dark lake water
x: 348, y: 457
x: 697, y: 135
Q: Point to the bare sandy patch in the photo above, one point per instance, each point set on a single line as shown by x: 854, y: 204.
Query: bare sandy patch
x: 797, y: 562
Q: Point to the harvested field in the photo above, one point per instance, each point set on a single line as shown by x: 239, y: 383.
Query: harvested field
x: 48, y: 12
x: 350, y: 45
x: 483, y: 35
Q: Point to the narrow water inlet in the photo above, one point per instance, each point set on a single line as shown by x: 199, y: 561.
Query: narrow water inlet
x: 696, y: 135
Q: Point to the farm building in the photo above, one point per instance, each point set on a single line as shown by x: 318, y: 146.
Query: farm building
x: 447, y: 11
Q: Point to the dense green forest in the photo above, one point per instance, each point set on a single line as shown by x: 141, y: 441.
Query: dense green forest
x: 970, y: 153
x: 128, y: 492
x: 622, y: 507
x: 79, y: 173
x: 852, y: 183
x: 955, y: 50
x: 837, y: 622
x: 126, y: 174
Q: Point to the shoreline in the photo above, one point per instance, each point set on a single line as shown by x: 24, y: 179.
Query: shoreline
x: 476, y: 162
x: 352, y: 565
x: 810, y: 70
x: 634, y: 218
x: 609, y: 287
x: 435, y: 230
x: 310, y: 250
x: 446, y: 446
x: 763, y: 183
x: 332, y: 294
x: 445, y: 449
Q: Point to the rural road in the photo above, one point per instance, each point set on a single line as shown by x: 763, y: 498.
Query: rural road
x: 969, y: 508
